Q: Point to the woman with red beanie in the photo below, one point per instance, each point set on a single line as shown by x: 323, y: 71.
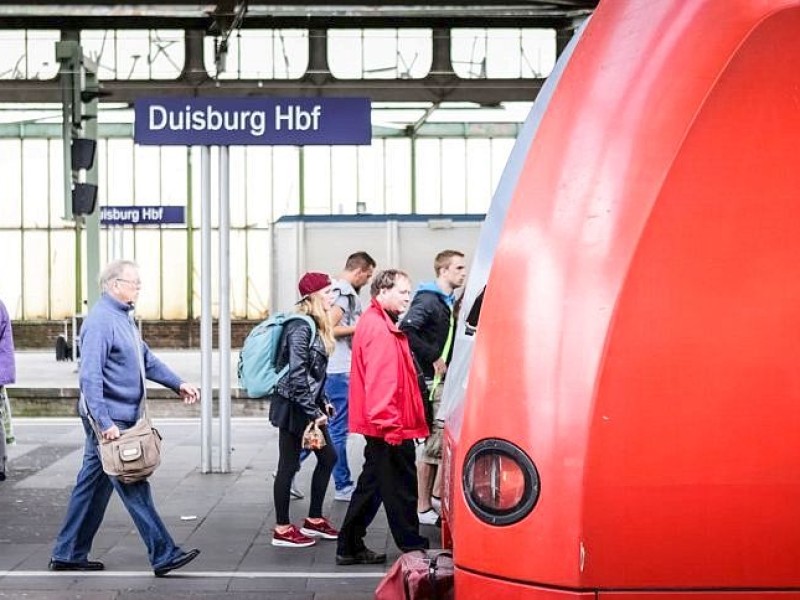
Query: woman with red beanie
x: 305, y: 344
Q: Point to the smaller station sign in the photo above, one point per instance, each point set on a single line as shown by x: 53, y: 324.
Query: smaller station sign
x: 142, y: 215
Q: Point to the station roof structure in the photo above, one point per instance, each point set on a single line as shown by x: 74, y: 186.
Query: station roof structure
x: 221, y: 19
x: 217, y: 16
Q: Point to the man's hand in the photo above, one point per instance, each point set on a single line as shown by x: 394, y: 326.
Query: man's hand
x: 321, y: 421
x: 112, y: 433
x: 393, y: 439
x: 439, y: 366
x: 189, y: 393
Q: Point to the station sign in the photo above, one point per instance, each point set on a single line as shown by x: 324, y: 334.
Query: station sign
x: 142, y: 215
x: 252, y: 121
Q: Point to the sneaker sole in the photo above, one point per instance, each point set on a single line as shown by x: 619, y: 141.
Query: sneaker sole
x: 428, y: 521
x: 319, y: 534
x: 285, y: 544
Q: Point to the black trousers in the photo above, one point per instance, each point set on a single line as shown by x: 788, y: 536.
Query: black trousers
x: 289, y: 446
x: 389, y: 477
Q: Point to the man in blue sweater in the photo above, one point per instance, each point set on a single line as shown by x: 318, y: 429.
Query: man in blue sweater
x: 114, y: 364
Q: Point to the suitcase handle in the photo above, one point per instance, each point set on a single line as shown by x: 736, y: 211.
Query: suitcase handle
x: 433, y: 566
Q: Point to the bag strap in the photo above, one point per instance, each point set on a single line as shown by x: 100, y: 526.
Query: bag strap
x: 140, y: 357
x: 437, y: 379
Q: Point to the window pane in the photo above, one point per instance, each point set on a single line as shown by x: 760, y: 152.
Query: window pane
x: 11, y: 281
x: 398, y: 176
x: 429, y: 174
x: 28, y: 54
x: 380, y: 53
x: 11, y: 176
x: 260, y: 54
x: 34, y: 183
x: 126, y: 54
x: 34, y: 264
x: 503, y: 53
x: 344, y: 179
x: 258, y: 192
x: 317, y: 177
x: 454, y: 177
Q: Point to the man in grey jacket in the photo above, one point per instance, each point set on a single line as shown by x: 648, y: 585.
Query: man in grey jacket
x: 114, y: 364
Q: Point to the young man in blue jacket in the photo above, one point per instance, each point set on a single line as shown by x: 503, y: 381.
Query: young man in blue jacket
x: 429, y: 325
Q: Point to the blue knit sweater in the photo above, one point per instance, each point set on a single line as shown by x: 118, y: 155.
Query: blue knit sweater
x: 110, y: 376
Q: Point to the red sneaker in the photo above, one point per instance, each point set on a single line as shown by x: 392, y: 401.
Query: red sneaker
x: 322, y: 530
x: 292, y: 538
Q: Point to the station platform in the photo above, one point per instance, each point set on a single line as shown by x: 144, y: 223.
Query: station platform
x: 47, y: 387
x: 229, y: 516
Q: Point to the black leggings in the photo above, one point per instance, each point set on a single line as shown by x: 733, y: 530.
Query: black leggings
x: 289, y: 446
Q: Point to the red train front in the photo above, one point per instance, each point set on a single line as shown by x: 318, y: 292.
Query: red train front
x: 623, y: 409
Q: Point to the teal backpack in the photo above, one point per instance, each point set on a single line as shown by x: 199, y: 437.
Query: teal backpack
x: 258, y: 374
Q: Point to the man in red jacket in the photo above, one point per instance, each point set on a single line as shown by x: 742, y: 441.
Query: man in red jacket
x: 386, y: 407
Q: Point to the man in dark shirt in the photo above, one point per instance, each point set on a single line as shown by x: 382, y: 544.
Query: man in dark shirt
x: 429, y: 325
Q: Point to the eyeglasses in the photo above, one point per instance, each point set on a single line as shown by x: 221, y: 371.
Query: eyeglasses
x: 134, y: 282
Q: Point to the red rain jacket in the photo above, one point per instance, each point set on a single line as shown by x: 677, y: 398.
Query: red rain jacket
x: 385, y: 400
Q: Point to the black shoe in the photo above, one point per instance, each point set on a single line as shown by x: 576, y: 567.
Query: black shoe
x: 362, y: 557
x: 176, y: 563
x: 63, y: 565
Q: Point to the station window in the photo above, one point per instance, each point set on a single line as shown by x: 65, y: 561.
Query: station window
x: 380, y: 53
x: 260, y: 54
x: 139, y: 54
x: 28, y: 54
x: 503, y: 53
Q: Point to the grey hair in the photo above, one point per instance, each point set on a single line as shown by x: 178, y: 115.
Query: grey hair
x: 113, y: 270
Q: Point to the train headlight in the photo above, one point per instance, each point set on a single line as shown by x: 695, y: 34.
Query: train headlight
x: 501, y: 483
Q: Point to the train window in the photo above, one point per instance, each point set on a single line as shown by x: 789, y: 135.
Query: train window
x: 471, y: 320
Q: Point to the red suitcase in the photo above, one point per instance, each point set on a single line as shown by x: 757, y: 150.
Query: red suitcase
x: 419, y: 575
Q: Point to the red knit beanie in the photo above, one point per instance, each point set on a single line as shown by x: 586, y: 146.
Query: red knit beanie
x: 313, y: 282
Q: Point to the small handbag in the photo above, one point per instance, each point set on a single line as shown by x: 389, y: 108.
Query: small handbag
x: 136, y: 453
x: 313, y: 438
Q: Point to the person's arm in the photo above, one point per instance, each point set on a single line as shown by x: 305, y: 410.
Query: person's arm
x: 156, y: 370
x: 7, y: 344
x: 339, y: 331
x: 298, y: 340
x: 341, y: 305
x: 96, y: 342
x: 414, y: 324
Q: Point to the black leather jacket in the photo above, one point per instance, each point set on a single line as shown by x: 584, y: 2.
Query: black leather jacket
x: 300, y: 394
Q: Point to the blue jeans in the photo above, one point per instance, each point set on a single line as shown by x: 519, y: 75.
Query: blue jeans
x: 337, y: 388
x: 88, y: 503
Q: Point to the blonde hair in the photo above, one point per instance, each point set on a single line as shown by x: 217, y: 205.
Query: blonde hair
x: 312, y: 306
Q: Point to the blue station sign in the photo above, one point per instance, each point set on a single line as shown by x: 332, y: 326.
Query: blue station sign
x: 252, y: 121
x: 142, y: 215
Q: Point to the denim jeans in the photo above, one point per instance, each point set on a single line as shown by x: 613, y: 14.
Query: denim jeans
x: 337, y: 388
x: 88, y: 503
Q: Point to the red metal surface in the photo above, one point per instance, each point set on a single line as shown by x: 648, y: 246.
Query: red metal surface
x: 640, y: 334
